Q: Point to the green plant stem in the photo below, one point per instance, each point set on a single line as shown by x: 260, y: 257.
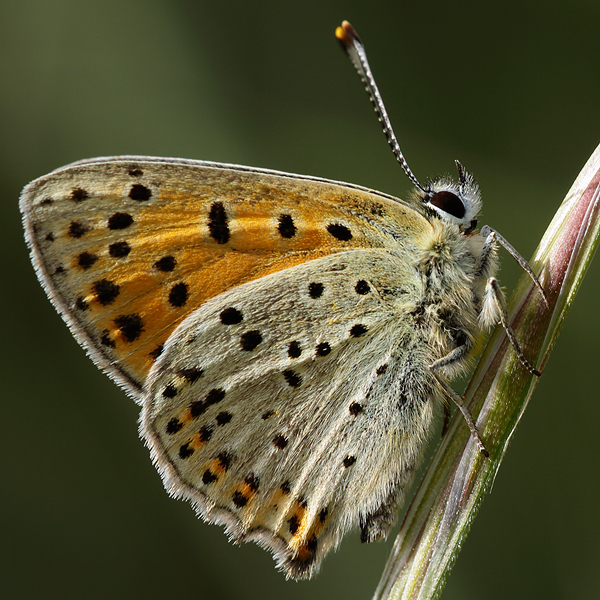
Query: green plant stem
x: 458, y: 478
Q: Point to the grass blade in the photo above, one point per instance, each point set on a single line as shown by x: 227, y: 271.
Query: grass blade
x: 458, y: 478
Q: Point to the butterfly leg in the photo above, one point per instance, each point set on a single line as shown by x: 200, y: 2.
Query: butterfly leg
x: 454, y: 356
x: 485, y: 257
x: 494, y: 294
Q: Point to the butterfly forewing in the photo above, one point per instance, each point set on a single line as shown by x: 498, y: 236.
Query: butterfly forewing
x: 128, y: 247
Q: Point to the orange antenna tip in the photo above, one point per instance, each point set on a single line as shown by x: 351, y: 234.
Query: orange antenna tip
x: 346, y: 34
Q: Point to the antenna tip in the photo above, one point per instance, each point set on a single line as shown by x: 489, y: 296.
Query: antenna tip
x: 346, y: 34
x: 340, y: 34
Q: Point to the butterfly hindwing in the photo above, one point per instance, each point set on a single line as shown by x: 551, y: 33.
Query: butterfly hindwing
x: 287, y: 407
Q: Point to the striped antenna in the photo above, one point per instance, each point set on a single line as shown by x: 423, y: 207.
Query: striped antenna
x: 353, y: 47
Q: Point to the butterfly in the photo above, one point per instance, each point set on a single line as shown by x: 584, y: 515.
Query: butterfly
x: 289, y: 338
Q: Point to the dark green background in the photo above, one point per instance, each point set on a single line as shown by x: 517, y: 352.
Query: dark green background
x: 512, y: 89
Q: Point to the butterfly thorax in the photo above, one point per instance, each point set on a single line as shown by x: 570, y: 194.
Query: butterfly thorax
x: 452, y: 285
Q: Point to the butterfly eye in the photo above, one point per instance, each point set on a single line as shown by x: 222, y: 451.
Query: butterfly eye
x: 448, y: 202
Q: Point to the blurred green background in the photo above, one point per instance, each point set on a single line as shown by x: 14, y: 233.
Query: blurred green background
x: 511, y: 89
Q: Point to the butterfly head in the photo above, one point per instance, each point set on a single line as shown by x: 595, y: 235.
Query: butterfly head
x: 455, y: 202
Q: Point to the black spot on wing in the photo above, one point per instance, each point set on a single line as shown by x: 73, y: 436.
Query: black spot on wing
x: 77, y: 229
x: 199, y: 407
x: 323, y: 349
x: 358, y: 330
x: 106, y: 291
x: 156, y: 352
x: 106, y: 340
x: 280, y: 442
x: 293, y: 524
x: 315, y: 290
x: 86, y: 260
x: 185, y: 451
x: 79, y: 194
x: 252, y: 481
x: 170, y: 391
x: 166, y: 264
x: 239, y: 499
x: 119, y: 249
x: 205, y: 433
x: 292, y: 378
x: 286, y: 226
x: 130, y: 326
x: 294, y: 350
x: 224, y: 459
x: 139, y: 192
x: 81, y: 303
x: 382, y: 369
x: 223, y: 418
x: 250, y: 340
x: 174, y: 426
x: 230, y: 316
x: 355, y: 408
x: 218, y: 226
x: 362, y: 287
x: 119, y: 220
x: 178, y: 295
x: 192, y: 374
x: 340, y: 232
x: 209, y: 477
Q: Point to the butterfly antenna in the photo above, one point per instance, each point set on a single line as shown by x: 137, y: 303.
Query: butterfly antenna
x: 353, y: 47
